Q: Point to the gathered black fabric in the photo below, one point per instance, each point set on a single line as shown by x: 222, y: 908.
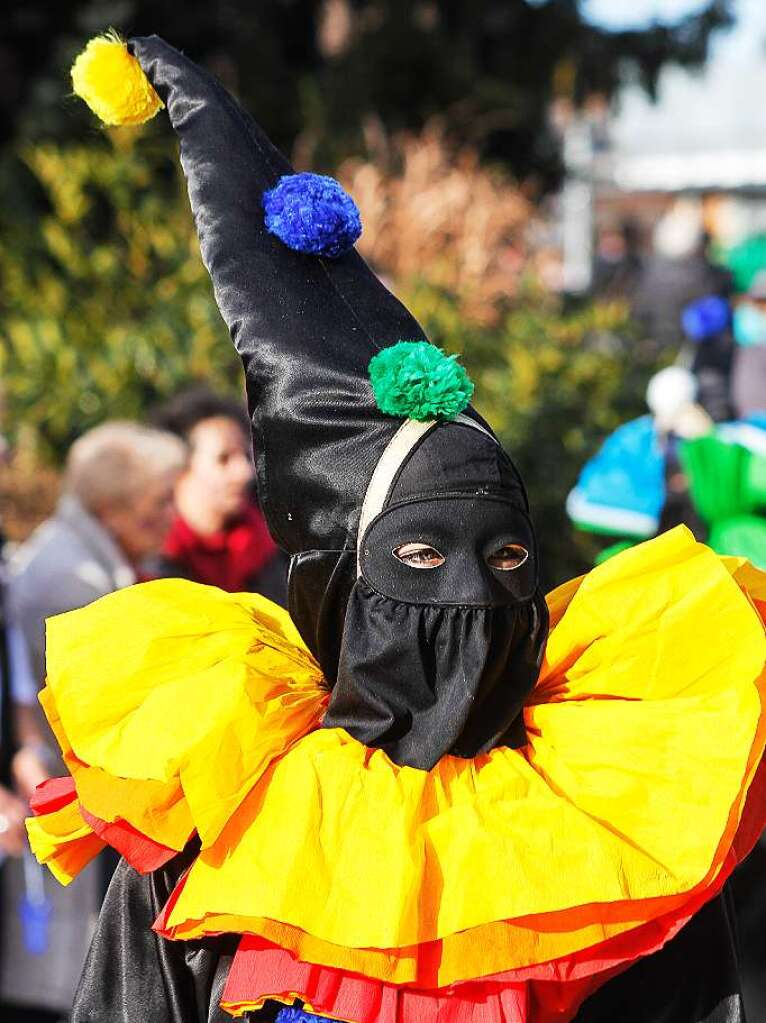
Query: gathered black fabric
x: 132, y: 975
x: 693, y: 979
x: 420, y: 682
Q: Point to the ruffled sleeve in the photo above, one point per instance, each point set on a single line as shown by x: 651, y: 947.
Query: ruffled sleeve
x: 169, y: 701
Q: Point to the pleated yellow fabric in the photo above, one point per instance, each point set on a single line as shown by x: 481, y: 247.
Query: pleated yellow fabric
x: 63, y: 841
x: 157, y: 809
x: 644, y: 732
x: 622, y: 794
x: 170, y: 699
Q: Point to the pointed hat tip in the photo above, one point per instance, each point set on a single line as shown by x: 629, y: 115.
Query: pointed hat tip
x: 112, y: 82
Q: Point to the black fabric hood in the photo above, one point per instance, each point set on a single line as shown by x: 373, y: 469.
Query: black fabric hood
x: 305, y: 327
x: 439, y: 660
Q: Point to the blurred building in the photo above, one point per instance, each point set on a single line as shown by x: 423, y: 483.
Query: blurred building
x: 702, y: 141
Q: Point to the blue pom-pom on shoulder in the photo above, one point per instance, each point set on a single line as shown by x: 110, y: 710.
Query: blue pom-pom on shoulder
x: 312, y: 213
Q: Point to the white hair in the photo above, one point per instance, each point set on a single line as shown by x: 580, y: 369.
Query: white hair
x: 114, y: 462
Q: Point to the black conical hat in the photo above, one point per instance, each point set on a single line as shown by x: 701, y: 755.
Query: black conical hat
x: 306, y: 327
x: 342, y: 383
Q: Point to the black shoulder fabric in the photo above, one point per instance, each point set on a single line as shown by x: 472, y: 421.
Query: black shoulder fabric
x: 693, y: 979
x: 134, y: 976
x: 306, y: 328
x: 318, y: 589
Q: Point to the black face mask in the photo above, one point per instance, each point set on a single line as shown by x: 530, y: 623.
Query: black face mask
x: 438, y: 660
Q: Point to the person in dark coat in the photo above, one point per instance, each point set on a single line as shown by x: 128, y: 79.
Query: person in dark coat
x: 114, y: 511
x: 707, y: 325
x: 748, y: 382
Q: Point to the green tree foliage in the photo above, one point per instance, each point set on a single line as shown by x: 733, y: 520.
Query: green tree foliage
x: 104, y: 303
x: 105, y: 307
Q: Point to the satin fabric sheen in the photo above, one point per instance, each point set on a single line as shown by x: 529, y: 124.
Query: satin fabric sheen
x: 305, y: 328
x: 133, y: 976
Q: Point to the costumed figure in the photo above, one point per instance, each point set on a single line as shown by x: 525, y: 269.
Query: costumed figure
x: 632, y: 488
x: 428, y: 795
x: 677, y: 466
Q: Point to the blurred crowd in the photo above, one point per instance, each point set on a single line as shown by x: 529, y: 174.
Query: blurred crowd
x: 139, y: 501
x: 698, y: 455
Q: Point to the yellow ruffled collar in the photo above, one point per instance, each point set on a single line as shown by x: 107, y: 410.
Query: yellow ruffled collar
x: 203, y: 715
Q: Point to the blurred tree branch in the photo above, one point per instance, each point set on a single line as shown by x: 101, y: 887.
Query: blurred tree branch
x: 490, y: 67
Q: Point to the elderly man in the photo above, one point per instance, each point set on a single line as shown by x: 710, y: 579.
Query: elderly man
x: 17, y: 688
x: 115, y: 511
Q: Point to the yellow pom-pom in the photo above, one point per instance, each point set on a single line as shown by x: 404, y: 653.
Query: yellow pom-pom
x: 113, y: 83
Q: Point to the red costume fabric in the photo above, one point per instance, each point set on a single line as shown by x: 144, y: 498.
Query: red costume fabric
x: 229, y: 558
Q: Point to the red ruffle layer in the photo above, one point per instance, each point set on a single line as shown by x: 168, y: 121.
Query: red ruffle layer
x: 142, y: 853
x: 547, y: 993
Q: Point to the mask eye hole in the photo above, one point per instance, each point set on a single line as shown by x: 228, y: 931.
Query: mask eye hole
x: 418, y: 555
x: 508, y: 557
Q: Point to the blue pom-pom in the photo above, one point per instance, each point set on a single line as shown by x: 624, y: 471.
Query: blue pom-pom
x: 296, y: 1015
x: 417, y: 380
x: 705, y: 317
x: 312, y: 213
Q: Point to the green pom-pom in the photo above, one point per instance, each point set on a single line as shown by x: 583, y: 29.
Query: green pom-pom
x: 417, y: 380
